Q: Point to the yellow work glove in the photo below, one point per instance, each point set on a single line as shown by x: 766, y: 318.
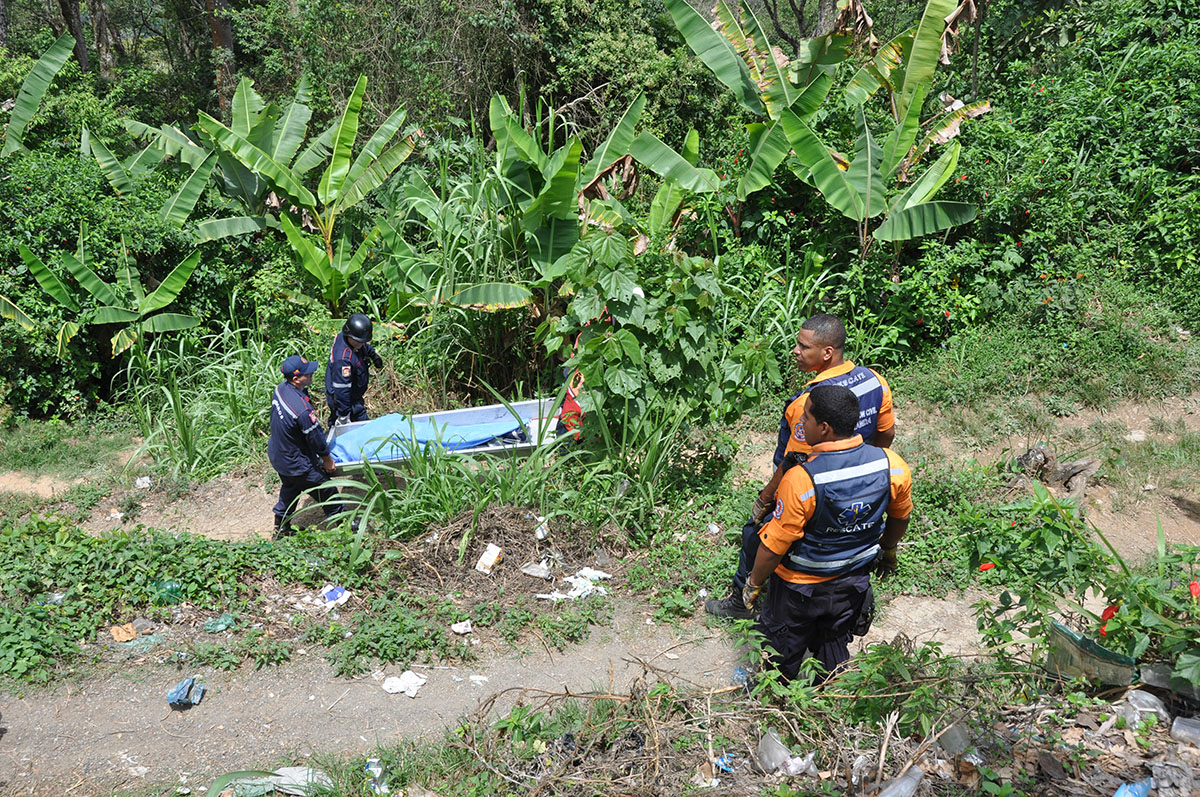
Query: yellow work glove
x: 886, y: 564
x: 750, y: 594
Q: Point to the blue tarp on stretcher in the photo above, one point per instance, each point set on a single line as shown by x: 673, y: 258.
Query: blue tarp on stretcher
x: 396, y: 436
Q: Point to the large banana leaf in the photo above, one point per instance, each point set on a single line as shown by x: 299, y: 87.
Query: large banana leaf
x: 182, y: 202
x: 343, y: 144
x: 215, y: 229
x: 170, y: 287
x: 376, y: 144
x: 717, y: 54
x: 101, y: 290
x: 557, y: 197
x: 827, y: 176
x: 33, y: 89
x: 262, y: 134
x: 127, y: 276
x: 280, y: 176
x: 51, y: 284
x: 923, y: 219
x: 768, y: 143
x: 863, y: 173
x: 819, y: 56
x: 492, y: 296
x: 926, y: 48
x: 292, y: 126
x: 670, y: 194
x: 900, y: 140
x: 15, y: 314
x: 617, y: 143
x: 114, y: 315
x: 112, y: 168
x: 651, y: 152
x: 68, y: 330
x: 553, y: 239
x: 314, y: 154
x: 124, y: 339
x: 246, y: 107
x: 171, y: 140
x: 143, y: 161
x: 946, y: 128
x: 169, y: 322
x: 313, y: 258
x: 924, y: 188
x: 878, y: 71
x: 777, y: 91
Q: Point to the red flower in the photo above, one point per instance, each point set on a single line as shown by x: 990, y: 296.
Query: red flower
x: 1194, y: 588
x: 986, y: 566
x: 1108, y: 613
x: 1104, y: 630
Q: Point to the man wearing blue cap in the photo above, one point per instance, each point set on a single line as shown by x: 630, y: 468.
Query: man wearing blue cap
x: 298, y: 450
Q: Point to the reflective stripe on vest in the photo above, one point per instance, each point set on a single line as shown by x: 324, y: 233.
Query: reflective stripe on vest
x: 866, y: 385
x: 852, y: 489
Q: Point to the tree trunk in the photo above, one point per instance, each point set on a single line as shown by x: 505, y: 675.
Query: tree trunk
x: 114, y: 33
x: 3, y: 24
x: 70, y: 12
x: 222, y: 50
x: 826, y: 13
x: 100, y: 35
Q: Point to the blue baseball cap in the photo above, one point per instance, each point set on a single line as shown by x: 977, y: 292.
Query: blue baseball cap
x: 297, y: 366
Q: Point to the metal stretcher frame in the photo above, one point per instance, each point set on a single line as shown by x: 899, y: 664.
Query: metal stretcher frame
x: 526, y: 411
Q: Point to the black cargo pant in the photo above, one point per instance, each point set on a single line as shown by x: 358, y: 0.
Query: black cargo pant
x: 797, y: 618
x: 291, y: 487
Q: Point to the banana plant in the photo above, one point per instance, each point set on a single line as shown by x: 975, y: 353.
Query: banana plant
x: 125, y: 302
x: 547, y: 192
x: 764, y: 81
x: 33, y: 89
x: 281, y: 133
x: 866, y: 185
x: 346, y: 181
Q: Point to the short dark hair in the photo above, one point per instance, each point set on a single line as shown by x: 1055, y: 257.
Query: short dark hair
x: 827, y: 329
x: 836, y: 406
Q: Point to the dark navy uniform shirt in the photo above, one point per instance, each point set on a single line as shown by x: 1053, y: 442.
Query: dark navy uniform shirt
x: 297, y: 440
x: 346, y: 377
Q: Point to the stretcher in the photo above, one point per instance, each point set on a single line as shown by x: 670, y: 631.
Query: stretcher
x: 511, y: 429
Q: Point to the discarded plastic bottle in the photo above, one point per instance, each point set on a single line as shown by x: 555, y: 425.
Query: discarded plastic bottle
x: 1186, y: 730
x: 903, y: 786
x: 166, y: 592
x: 1139, y: 789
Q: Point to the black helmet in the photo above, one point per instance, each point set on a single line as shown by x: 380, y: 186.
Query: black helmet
x: 358, y: 326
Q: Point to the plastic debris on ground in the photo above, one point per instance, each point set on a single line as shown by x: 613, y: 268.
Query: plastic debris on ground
x: 724, y: 762
x: 1139, y: 789
x: 903, y: 786
x: 376, y: 784
x: 143, y: 644
x: 1146, y: 703
x: 301, y: 781
x: 409, y: 683
x: 858, y: 769
x: 774, y: 756
x: 954, y: 740
x: 713, y: 528
x: 479, y: 680
x: 538, y: 570
x: 221, y: 623
x: 462, y: 628
x: 704, y: 777
x: 582, y: 585
x: 543, y: 528
x: 334, y: 595
x: 142, y: 482
x: 740, y: 676
x: 187, y: 693
x: 142, y: 625
x: 488, y: 559
x: 1186, y: 730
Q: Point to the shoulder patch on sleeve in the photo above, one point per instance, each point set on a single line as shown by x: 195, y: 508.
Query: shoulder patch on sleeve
x: 312, y: 416
x: 345, y: 371
x: 778, y: 513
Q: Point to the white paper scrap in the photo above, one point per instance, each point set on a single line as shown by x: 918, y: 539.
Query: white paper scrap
x: 409, y: 683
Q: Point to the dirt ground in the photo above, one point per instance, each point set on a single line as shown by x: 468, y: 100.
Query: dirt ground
x: 113, y: 729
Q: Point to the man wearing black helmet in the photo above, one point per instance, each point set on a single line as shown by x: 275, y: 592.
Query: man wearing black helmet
x: 349, y: 370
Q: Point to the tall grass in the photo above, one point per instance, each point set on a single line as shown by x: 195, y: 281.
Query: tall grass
x: 201, y: 404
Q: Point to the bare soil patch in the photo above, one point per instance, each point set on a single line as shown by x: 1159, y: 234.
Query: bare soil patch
x: 41, y: 486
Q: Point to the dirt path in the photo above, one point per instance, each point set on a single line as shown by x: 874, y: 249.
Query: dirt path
x: 115, y: 731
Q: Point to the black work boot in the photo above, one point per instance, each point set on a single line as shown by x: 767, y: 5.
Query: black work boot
x: 283, y: 528
x: 731, y: 607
